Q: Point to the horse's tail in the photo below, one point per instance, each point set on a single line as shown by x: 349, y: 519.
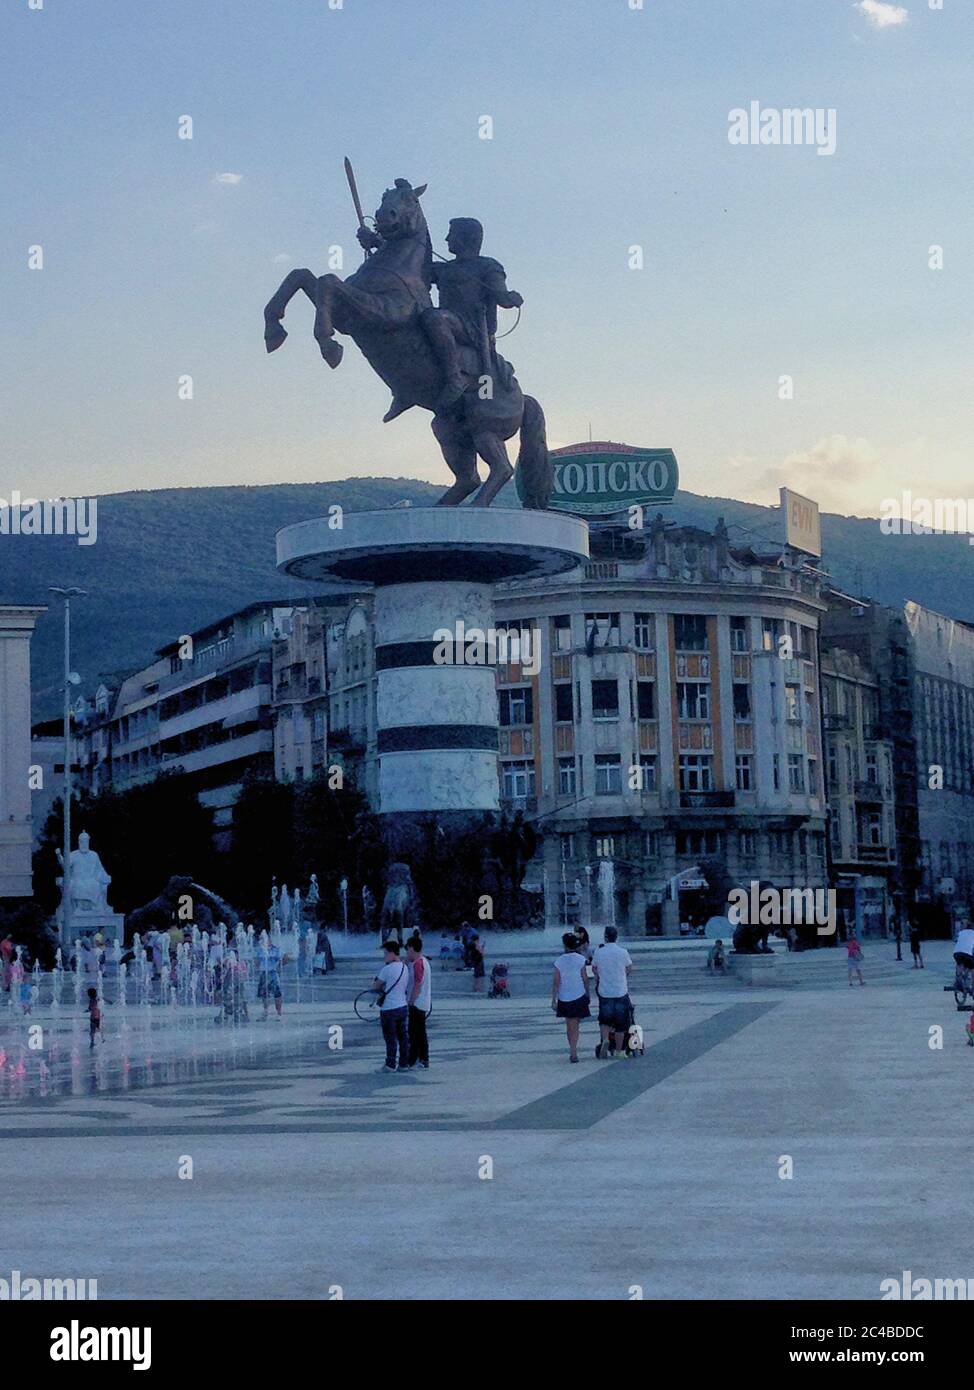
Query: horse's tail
x: 535, y: 475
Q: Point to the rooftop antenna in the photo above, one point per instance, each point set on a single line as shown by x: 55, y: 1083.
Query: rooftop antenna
x: 590, y: 431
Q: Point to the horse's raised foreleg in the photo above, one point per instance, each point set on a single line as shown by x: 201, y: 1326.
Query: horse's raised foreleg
x: 494, y: 453
x: 274, y: 333
x: 326, y: 290
x: 460, y: 454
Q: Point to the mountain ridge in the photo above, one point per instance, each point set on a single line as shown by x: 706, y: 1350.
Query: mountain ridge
x: 168, y: 560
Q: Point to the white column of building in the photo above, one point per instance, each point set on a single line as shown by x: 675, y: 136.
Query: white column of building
x: 725, y: 675
x: 664, y: 709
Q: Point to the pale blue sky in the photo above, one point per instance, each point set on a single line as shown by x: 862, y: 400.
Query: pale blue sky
x: 610, y: 129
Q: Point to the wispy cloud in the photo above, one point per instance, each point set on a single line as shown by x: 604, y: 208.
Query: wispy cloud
x: 283, y: 257
x: 837, y: 471
x: 882, y: 15
x: 232, y: 179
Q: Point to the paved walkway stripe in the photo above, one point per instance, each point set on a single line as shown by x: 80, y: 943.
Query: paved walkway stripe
x: 585, y: 1102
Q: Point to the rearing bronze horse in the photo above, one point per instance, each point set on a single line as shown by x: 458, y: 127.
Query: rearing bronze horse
x: 381, y: 306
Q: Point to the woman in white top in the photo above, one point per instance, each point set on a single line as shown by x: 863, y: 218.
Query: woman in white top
x: 570, y: 992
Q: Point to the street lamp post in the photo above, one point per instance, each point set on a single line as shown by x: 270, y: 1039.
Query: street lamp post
x: 69, y: 679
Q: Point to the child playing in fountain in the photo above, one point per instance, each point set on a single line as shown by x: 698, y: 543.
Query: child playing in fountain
x: 94, y: 1016
x: 20, y: 985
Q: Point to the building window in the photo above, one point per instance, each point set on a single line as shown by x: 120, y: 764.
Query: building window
x: 601, y: 630
x: 643, y: 632
x: 516, y: 706
x: 608, y: 774
x: 742, y: 701
x: 651, y: 844
x: 792, y: 705
x: 605, y: 699
x: 780, y: 842
x: 872, y: 829
x: 562, y: 632
x: 518, y: 779
x: 690, y: 632
x: 770, y: 632
x: 796, y: 772
x: 564, y: 714
x: 833, y: 765
x: 747, y: 844
x: 744, y: 769
x: 693, y: 844
x: 851, y: 763
x: 319, y: 723
x: 647, y: 772
x: 738, y: 634
x: 567, y: 847
x: 696, y: 772
x: 567, y: 780
x: 646, y: 699
x: 872, y: 767
x: 693, y: 700
x: 605, y: 847
x: 776, y: 772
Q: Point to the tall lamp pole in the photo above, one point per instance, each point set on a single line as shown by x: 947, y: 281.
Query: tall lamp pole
x: 69, y: 679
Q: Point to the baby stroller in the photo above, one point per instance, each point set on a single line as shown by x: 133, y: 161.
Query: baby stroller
x: 499, y: 983
x: 634, y: 1047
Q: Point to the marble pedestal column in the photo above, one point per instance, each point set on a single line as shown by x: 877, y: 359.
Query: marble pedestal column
x: 433, y: 571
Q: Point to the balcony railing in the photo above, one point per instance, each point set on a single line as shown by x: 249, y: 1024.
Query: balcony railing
x: 875, y: 854
x: 706, y: 801
x: 869, y: 791
x: 519, y: 803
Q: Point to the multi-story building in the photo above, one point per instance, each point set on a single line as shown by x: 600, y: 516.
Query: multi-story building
x: 673, y: 717
x: 16, y: 819
x: 324, y: 703
x: 47, y: 769
x: 924, y: 662
x: 859, y: 786
x: 93, y: 746
x: 203, y: 707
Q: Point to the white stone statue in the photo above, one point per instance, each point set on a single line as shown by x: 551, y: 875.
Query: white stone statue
x: 88, y: 879
x: 313, y: 894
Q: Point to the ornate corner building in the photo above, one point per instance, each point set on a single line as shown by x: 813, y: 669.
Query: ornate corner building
x: 669, y: 715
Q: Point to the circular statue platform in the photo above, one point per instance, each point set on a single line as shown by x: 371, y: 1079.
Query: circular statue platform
x: 400, y: 545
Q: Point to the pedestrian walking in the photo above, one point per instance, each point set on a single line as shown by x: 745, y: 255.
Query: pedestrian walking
x: 570, y: 991
x: 6, y: 960
x: 916, y: 949
x: 477, y: 958
x: 391, y: 984
x: 612, y: 966
x: 855, y: 958
x: 420, y: 1001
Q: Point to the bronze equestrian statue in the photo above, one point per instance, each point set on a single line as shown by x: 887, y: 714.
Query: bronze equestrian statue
x: 442, y: 357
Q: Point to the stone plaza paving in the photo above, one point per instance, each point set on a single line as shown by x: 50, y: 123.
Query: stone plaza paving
x: 311, y: 1171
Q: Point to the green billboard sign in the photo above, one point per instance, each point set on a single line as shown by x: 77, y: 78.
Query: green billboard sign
x: 597, y: 479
